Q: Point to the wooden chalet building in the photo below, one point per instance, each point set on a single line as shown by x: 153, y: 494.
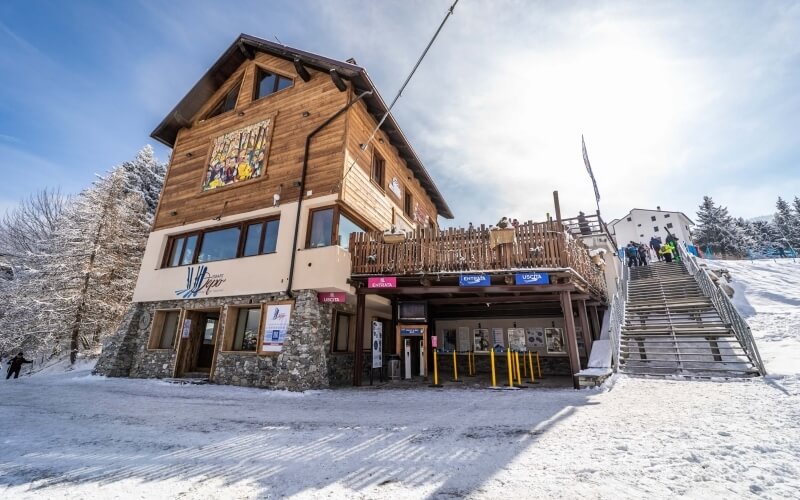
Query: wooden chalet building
x: 286, y: 242
x: 245, y: 277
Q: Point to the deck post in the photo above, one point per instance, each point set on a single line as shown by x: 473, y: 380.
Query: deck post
x: 595, y: 317
x: 587, y: 333
x: 358, y: 358
x: 572, y: 339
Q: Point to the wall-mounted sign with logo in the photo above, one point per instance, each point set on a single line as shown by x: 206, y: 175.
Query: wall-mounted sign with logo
x: 474, y: 280
x: 532, y: 278
x: 199, y: 279
x: 332, y: 297
x: 377, y: 344
x: 275, y: 327
x: 411, y: 332
x: 382, y: 282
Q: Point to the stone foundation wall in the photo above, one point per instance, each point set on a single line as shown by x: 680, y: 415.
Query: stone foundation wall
x: 305, y: 362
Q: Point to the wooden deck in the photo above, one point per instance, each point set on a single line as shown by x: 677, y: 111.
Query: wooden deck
x: 535, y: 246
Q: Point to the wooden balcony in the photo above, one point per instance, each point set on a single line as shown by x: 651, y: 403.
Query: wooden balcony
x: 538, y: 246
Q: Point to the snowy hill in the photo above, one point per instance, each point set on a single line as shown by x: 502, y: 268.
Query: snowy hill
x: 767, y: 294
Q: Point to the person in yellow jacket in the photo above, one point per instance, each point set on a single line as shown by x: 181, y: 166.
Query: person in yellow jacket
x: 666, y: 252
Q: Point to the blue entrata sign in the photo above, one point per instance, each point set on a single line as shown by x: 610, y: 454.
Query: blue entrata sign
x: 532, y: 278
x: 474, y: 280
x: 411, y: 332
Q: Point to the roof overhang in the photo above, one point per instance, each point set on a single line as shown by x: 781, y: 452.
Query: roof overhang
x: 242, y: 50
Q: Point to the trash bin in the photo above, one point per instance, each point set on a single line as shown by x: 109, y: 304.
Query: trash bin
x: 394, y: 368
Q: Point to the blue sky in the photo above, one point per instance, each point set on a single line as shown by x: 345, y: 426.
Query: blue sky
x: 676, y: 99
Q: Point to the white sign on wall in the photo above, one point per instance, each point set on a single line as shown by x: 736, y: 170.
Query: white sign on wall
x: 377, y: 344
x: 187, y: 326
x: 275, y: 327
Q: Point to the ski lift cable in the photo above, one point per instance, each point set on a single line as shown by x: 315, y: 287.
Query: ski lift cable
x: 402, y: 88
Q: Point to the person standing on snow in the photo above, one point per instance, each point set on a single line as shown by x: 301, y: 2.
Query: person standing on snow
x: 15, y: 365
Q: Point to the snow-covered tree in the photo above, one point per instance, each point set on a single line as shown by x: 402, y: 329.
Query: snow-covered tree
x: 145, y: 176
x: 787, y: 223
x: 717, y: 230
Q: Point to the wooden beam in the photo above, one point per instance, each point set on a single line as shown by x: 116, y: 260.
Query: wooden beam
x: 245, y: 50
x: 572, y: 339
x: 301, y: 70
x: 358, y: 360
x: 523, y: 299
x: 337, y: 80
x: 595, y: 317
x: 423, y: 290
x: 583, y: 317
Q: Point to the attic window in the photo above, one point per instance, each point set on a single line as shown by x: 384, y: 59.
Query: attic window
x: 268, y: 83
x: 227, y: 103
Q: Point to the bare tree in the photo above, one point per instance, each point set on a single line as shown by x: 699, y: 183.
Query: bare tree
x: 31, y: 224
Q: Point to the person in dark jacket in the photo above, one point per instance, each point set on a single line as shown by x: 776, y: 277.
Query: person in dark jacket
x: 642, y: 255
x: 655, y: 244
x: 632, y: 253
x: 15, y: 365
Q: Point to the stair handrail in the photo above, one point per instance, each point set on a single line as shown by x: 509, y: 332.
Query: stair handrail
x: 725, y: 308
x: 617, y: 316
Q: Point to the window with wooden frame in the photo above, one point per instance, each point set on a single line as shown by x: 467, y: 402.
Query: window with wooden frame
x: 244, y: 239
x: 227, y: 103
x: 341, y: 332
x: 330, y: 226
x: 408, y: 205
x: 268, y: 83
x: 378, y: 169
x: 165, y: 329
x: 241, y: 329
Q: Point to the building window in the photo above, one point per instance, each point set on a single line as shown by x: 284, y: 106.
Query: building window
x: 261, y: 238
x: 655, y: 228
x: 242, y: 240
x: 408, y: 205
x: 629, y: 219
x: 227, y: 103
x: 669, y: 225
x: 341, y: 333
x: 268, y: 83
x: 378, y: 169
x: 652, y: 217
x: 221, y: 244
x: 638, y: 225
x: 165, y: 329
x: 245, y: 337
x: 329, y: 226
x: 666, y: 216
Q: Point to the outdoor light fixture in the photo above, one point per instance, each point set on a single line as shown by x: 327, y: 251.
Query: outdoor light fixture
x: 174, y: 213
x: 189, y: 154
x: 305, y: 114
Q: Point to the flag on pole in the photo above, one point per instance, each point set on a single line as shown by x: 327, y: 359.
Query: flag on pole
x: 589, y: 169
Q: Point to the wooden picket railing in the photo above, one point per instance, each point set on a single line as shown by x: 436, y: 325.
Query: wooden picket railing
x: 536, y: 245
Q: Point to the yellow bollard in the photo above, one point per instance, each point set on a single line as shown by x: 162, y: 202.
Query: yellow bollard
x: 530, y: 362
x: 510, y: 369
x: 538, y: 365
x: 455, y: 367
x: 435, y: 370
x: 516, y: 358
x: 494, y: 378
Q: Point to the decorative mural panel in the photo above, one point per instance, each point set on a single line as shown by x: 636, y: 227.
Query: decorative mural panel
x: 239, y: 155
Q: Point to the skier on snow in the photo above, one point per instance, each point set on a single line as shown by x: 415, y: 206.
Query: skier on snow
x: 15, y: 365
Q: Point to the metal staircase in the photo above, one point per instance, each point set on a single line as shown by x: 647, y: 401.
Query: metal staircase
x: 672, y: 327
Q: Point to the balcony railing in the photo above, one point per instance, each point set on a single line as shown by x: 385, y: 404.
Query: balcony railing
x: 540, y: 245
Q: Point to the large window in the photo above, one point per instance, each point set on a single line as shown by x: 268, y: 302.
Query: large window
x: 165, y: 329
x: 268, y: 83
x: 341, y: 333
x: 329, y: 226
x: 242, y: 240
x: 408, y: 205
x: 227, y: 103
x: 246, y: 334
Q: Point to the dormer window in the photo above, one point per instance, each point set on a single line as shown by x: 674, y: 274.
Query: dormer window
x: 268, y: 83
x: 227, y: 103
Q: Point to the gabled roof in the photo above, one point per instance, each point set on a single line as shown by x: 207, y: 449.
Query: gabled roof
x: 242, y: 49
x: 614, y: 222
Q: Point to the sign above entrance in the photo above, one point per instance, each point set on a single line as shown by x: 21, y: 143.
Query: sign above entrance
x: 382, y: 282
x: 332, y: 297
x: 474, y: 280
x: 411, y: 332
x: 532, y: 278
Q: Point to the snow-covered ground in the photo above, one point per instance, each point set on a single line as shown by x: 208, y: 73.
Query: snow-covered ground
x: 77, y: 436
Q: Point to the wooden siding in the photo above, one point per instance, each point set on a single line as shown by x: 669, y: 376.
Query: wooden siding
x: 319, y: 97
x: 376, y: 203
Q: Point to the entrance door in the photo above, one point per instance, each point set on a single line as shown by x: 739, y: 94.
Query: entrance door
x: 205, y: 352
x: 411, y: 350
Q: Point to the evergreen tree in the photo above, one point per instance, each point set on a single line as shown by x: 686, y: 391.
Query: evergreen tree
x: 145, y: 176
x: 786, y: 223
x: 716, y: 230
